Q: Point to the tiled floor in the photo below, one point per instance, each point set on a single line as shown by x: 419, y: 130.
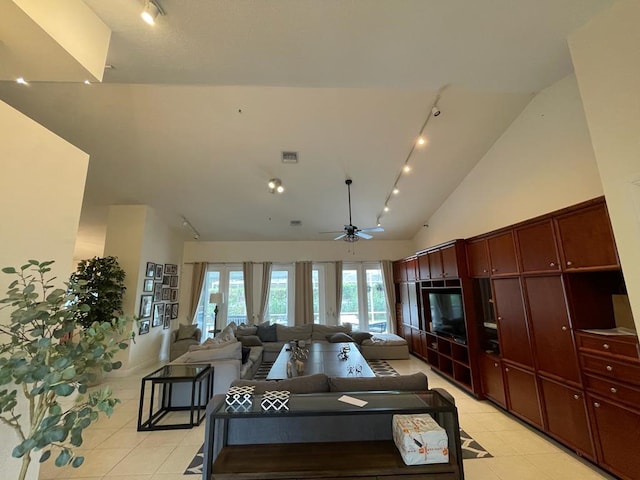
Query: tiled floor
x: 116, y: 451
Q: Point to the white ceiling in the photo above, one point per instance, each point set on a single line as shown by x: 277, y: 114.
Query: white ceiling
x: 193, y: 116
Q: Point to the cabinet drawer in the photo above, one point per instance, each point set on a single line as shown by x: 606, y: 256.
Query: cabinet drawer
x: 621, y: 371
x: 609, y: 345
x: 613, y: 390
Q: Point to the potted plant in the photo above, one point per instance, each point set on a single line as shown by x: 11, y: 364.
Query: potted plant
x: 42, y: 367
x: 99, y: 283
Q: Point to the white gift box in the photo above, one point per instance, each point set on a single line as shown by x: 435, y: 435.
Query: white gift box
x: 420, y: 439
x: 240, y: 396
x: 275, y: 400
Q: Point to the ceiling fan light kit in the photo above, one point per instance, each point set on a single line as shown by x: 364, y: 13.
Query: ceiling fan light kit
x: 275, y: 186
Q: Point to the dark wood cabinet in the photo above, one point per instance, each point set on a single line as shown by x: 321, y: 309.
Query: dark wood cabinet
x: 491, y: 377
x: 412, y: 267
x: 449, y: 262
x: 399, y: 272
x: 512, y: 323
x: 424, y: 272
x: 478, y: 258
x: 522, y: 393
x: 549, y: 322
x: 586, y: 239
x: 502, y: 254
x: 537, y: 248
x: 566, y: 416
x: 435, y: 264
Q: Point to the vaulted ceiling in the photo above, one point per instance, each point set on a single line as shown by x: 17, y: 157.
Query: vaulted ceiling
x: 194, y: 114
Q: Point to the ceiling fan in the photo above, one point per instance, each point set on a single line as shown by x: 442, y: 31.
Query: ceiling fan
x: 351, y: 233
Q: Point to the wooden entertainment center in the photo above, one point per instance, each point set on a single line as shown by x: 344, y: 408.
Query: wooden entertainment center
x: 533, y: 295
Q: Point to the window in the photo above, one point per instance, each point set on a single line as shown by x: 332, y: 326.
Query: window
x: 280, y: 307
x: 319, y: 295
x: 228, y: 280
x: 364, y: 302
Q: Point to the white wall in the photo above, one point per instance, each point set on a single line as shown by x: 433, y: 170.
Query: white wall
x: 136, y: 235
x: 606, y: 58
x: 43, y: 180
x: 543, y: 162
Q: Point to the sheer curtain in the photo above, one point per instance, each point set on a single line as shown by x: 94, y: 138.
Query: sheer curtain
x: 197, y: 281
x: 338, y: 305
x: 247, y: 272
x: 265, y: 285
x: 303, y: 293
x: 390, y: 291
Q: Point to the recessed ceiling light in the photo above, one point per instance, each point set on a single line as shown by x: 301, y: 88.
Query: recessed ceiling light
x: 21, y: 81
x: 395, y: 191
x: 421, y: 141
x: 386, y: 208
x: 406, y: 169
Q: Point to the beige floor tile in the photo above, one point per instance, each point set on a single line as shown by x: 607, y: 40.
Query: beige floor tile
x: 97, y: 463
x: 124, y: 438
x: 478, y: 469
x: 173, y: 476
x: 164, y: 438
x: 527, y: 442
x: 141, y: 461
x: 560, y: 466
x: 128, y: 477
x: 515, y: 468
x: 178, y: 460
x: 493, y: 444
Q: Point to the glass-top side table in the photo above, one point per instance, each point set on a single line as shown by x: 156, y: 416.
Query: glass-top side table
x: 197, y: 377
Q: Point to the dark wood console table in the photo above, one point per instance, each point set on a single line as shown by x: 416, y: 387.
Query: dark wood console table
x: 321, y: 437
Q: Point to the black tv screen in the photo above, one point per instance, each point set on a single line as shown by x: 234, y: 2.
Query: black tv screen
x: 447, y: 313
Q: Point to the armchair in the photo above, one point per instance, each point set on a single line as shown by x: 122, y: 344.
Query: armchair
x: 182, y: 338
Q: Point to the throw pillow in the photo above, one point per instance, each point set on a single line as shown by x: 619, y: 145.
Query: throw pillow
x: 360, y: 337
x: 186, y: 332
x: 246, y: 330
x: 250, y: 341
x: 226, y: 335
x: 245, y: 354
x: 232, y: 350
x: 339, y: 337
x: 268, y: 333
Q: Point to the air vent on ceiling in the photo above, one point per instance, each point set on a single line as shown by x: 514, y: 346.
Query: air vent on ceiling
x: 295, y: 223
x: 289, y: 157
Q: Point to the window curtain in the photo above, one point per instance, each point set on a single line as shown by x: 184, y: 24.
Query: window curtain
x: 197, y: 281
x: 265, y: 285
x: 303, y: 293
x: 338, y: 272
x: 247, y: 273
x: 390, y: 291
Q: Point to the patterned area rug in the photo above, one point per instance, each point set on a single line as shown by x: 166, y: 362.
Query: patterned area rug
x: 470, y: 449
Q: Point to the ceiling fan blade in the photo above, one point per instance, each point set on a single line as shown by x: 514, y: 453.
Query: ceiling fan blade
x: 372, y: 229
x: 366, y: 236
x: 340, y: 237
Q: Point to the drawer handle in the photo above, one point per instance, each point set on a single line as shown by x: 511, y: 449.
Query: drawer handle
x: 564, y: 329
x: 609, y: 368
x: 499, y: 318
x: 606, y: 346
x: 569, y: 263
x: 494, y: 269
x: 576, y: 396
x: 596, y: 404
x: 613, y: 390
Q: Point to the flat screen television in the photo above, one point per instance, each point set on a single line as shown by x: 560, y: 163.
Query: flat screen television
x: 447, y: 314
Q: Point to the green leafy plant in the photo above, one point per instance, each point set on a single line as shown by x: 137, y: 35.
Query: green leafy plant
x: 98, y: 283
x: 49, y: 363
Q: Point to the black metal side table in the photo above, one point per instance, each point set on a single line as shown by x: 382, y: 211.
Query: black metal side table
x: 199, y: 377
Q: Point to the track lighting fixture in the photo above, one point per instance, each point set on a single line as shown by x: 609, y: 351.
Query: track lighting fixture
x: 275, y: 186
x: 187, y: 224
x: 151, y: 11
x: 435, y: 111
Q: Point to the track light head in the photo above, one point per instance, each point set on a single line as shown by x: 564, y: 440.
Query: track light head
x: 151, y: 11
x: 435, y: 111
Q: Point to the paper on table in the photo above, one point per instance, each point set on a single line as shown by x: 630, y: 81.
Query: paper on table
x: 352, y: 401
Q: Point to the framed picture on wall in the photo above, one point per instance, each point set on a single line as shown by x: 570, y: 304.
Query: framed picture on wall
x: 170, y: 269
x: 150, y: 272
x: 158, y: 271
x: 144, y: 327
x: 174, y: 281
x: 148, y: 285
x: 174, y: 311
x: 167, y: 318
x: 174, y: 295
x: 145, y: 305
x: 166, y: 294
x: 166, y: 280
x: 158, y: 314
x: 157, y: 292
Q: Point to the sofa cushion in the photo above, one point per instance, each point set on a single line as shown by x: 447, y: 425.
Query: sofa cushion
x: 339, y: 337
x: 299, y: 332
x: 320, y: 332
x: 226, y: 334
x: 359, y: 337
x: 229, y: 350
x: 407, y: 383
x: 186, y: 332
x: 250, y: 340
x: 267, y: 333
x: 307, y: 384
x: 243, y: 330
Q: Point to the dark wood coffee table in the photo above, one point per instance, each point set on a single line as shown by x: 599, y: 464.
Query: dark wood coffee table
x: 323, y: 358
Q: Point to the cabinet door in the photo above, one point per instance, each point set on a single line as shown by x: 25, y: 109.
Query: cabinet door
x: 491, y: 377
x: 566, y: 414
x: 435, y: 264
x: 404, y: 300
x: 423, y: 267
x: 399, y: 271
x: 412, y: 266
x: 586, y: 239
x: 549, y: 323
x: 537, y: 246
x: 617, y: 436
x: 522, y: 394
x: 502, y: 254
x: 478, y: 258
x: 449, y: 262
x: 406, y: 333
x: 512, y: 324
x: 413, y: 305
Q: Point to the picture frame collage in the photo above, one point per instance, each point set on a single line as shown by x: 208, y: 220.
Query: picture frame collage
x: 159, y: 301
